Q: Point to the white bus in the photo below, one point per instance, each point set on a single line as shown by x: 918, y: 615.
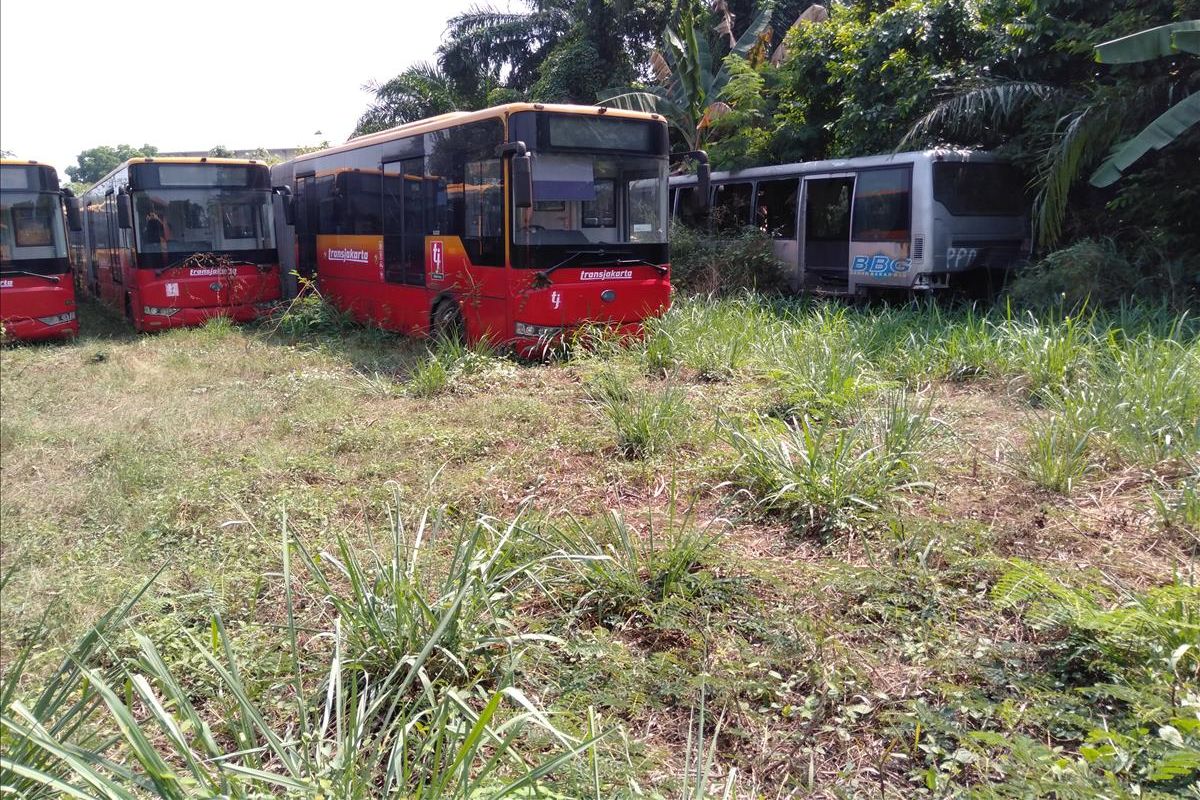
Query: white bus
x: 920, y: 221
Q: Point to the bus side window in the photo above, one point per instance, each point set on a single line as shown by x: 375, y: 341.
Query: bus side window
x: 881, y: 206
x: 363, y: 206
x: 775, y: 210
x: 731, y: 207
x: 689, y: 211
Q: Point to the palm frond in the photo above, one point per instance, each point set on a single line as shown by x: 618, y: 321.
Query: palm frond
x: 974, y: 113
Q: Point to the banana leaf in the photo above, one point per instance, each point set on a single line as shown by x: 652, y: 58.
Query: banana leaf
x: 1161, y: 42
x: 1158, y: 134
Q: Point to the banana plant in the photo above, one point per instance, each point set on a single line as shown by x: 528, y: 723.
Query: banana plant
x: 689, y: 79
x: 1165, y: 41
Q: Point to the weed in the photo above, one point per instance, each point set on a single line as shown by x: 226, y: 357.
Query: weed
x: 625, y: 573
x: 644, y: 424
x: 1058, y: 454
x: 825, y: 478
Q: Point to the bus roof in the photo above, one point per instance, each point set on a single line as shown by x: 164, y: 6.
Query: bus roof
x: 179, y: 160
x: 20, y: 162
x: 463, y: 117
x: 841, y: 164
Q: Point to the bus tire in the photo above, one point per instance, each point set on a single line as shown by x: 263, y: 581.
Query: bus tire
x: 448, y: 322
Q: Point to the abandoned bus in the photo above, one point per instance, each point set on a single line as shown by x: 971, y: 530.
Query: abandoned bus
x: 172, y: 242
x: 37, y: 296
x: 912, y: 221
x: 517, y: 223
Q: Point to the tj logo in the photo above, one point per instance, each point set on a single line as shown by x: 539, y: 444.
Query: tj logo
x: 880, y: 266
x: 435, y: 255
x: 556, y: 300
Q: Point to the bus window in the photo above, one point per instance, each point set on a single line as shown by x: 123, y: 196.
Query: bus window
x: 974, y: 189
x: 689, y: 209
x: 775, y: 209
x: 601, y: 212
x: 881, y: 206
x: 405, y: 211
x: 363, y: 207
x: 731, y: 207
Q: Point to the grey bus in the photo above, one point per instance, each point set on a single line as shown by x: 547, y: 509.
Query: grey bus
x: 917, y: 221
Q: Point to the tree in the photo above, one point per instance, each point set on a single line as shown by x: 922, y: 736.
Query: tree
x: 94, y: 163
x: 421, y: 91
x: 1161, y: 42
x: 689, y: 80
x: 1065, y: 129
x: 221, y: 151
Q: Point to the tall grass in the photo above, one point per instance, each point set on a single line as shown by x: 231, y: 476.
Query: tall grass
x: 396, y: 711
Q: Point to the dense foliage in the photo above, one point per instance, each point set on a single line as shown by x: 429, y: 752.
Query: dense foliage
x: 96, y: 162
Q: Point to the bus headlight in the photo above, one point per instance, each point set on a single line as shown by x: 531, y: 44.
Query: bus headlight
x: 153, y: 311
x: 536, y: 331
x: 57, y: 319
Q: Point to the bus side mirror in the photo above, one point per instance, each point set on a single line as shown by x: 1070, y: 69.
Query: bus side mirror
x: 522, y: 178
x: 124, y: 212
x: 703, y: 184
x: 74, y: 217
x: 289, y: 205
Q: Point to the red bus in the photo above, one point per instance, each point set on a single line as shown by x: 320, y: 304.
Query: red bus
x: 517, y: 223
x: 37, y: 296
x: 172, y: 242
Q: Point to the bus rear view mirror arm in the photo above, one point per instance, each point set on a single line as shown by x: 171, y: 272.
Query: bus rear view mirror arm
x: 521, y: 172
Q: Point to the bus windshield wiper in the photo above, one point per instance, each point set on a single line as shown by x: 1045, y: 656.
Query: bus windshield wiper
x: 542, y: 277
x: 51, y: 278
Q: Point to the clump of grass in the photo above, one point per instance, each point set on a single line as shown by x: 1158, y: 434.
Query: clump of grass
x: 645, y: 424
x: 1179, y: 508
x: 1059, y: 452
x: 624, y: 573
x: 827, y: 478
x: 308, y: 314
x: 391, y: 607
x: 447, y: 363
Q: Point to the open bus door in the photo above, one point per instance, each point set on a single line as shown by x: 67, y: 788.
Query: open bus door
x: 825, y: 231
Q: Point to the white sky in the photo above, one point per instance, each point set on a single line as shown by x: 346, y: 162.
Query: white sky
x: 192, y: 75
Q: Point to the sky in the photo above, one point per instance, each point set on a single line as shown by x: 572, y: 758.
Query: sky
x: 191, y: 76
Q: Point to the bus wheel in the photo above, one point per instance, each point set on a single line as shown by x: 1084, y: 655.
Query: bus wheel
x: 448, y: 322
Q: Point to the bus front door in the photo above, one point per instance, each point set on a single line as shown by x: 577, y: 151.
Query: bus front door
x: 825, y: 232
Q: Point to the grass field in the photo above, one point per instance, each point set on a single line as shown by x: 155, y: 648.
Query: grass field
x: 776, y: 549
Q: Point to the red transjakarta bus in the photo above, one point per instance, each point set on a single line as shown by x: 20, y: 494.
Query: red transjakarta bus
x: 37, y: 296
x: 516, y: 223
x: 173, y: 242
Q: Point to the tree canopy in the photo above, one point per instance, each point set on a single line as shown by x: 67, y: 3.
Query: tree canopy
x: 96, y: 162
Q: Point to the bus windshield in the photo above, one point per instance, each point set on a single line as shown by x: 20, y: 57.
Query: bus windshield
x: 584, y: 199
x: 32, y: 232
x: 175, y: 222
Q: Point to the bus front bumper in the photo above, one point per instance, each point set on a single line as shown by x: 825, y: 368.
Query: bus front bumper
x: 36, y: 329
x: 162, y: 318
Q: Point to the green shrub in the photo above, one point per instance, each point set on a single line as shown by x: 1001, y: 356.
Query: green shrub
x: 1088, y: 272
x: 704, y: 264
